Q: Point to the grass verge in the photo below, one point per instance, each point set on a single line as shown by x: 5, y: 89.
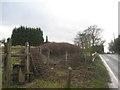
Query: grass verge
x: 101, y: 77
x: 88, y: 75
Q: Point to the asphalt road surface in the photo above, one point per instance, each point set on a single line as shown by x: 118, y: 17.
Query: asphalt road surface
x: 0, y: 71
x: 111, y: 63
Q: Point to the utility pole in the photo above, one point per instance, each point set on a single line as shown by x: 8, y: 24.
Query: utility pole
x: 83, y: 45
x: 113, y: 41
x: 114, y: 37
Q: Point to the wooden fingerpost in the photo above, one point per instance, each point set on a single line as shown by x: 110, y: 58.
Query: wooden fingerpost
x: 69, y: 77
x: 7, y: 63
x: 66, y: 59
x: 27, y: 62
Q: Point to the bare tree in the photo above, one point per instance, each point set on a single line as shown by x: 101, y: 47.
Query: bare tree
x: 80, y: 40
x: 111, y: 46
x: 2, y: 41
x: 95, y: 32
x: 89, y: 37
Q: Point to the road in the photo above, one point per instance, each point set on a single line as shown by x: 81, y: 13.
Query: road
x: 111, y: 63
x: 0, y: 68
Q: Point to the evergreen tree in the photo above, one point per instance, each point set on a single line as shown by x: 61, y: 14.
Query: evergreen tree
x: 114, y: 46
x: 23, y: 34
x: 46, y: 39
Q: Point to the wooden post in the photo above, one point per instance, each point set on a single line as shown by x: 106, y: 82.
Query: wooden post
x: 85, y: 54
x: 66, y: 59
x: 21, y: 76
x: 48, y: 57
x: 40, y: 49
x: 27, y: 61
x: 7, y: 63
x: 69, y: 77
x: 94, y: 56
x: 33, y: 63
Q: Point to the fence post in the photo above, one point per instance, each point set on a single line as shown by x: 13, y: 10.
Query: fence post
x: 40, y: 49
x: 69, y: 77
x: 7, y: 62
x: 27, y: 61
x: 48, y: 57
x: 66, y: 59
x: 21, y: 77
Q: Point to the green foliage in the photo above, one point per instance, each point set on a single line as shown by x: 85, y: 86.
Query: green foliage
x: 115, y: 46
x: 101, y: 77
x: 88, y: 75
x: 1, y: 75
x: 58, y: 49
x: 90, y: 38
x: 61, y: 73
x: 98, y: 48
x: 41, y: 83
x: 23, y: 34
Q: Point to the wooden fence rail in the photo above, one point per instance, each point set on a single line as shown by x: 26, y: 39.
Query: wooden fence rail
x: 7, y: 69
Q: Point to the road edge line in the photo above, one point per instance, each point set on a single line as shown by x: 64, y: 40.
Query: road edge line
x: 109, y: 70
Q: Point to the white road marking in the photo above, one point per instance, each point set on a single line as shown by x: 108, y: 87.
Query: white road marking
x: 114, y: 80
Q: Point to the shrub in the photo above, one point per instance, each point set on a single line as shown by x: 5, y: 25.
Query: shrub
x: 58, y: 49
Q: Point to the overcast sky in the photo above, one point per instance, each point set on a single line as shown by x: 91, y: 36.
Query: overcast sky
x: 60, y: 20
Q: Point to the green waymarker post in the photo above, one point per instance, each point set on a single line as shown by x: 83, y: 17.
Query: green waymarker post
x: 83, y: 34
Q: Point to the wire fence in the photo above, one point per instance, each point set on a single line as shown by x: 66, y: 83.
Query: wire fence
x: 56, y: 77
x: 48, y: 71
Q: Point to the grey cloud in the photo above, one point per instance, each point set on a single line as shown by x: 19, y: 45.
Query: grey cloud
x: 24, y: 13
x: 37, y: 15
